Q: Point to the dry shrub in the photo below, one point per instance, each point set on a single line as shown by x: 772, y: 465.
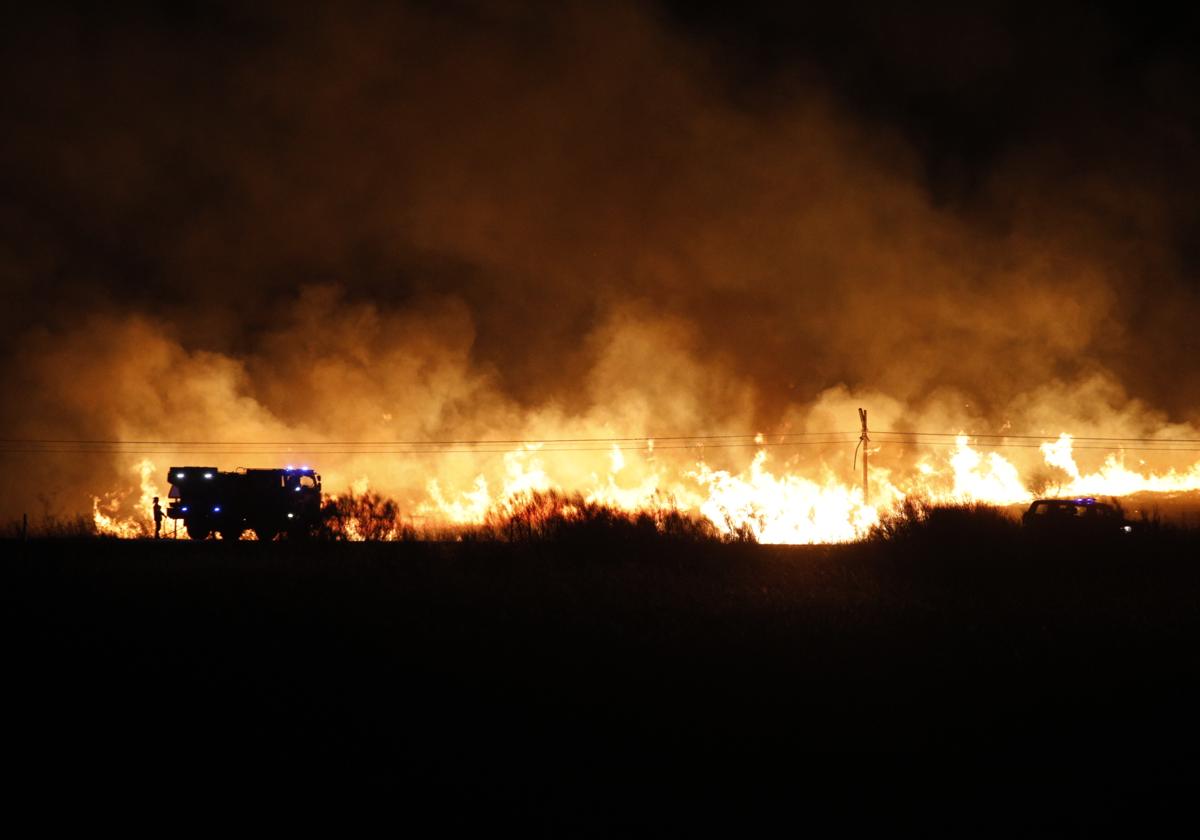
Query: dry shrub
x: 51, y: 527
x: 917, y: 518
x: 368, y: 516
x: 553, y: 516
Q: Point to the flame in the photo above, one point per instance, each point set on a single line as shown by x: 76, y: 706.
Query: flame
x: 1113, y: 478
x: 771, y: 508
x: 771, y: 501
x: 107, y: 514
x: 787, y: 509
x: 781, y: 506
x: 985, y: 479
x: 524, y: 473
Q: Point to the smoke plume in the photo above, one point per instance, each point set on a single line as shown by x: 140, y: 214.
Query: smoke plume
x: 475, y: 221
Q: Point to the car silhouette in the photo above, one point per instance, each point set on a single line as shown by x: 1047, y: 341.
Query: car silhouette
x: 1075, y: 516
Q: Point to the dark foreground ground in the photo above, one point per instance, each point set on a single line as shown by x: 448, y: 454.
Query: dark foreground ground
x: 981, y: 689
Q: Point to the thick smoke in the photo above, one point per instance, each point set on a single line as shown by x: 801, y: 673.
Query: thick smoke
x: 448, y: 222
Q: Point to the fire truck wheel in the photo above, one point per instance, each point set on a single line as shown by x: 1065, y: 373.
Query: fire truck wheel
x: 234, y: 533
x: 265, y: 534
x: 196, y: 531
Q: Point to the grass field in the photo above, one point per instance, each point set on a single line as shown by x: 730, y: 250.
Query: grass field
x: 935, y: 678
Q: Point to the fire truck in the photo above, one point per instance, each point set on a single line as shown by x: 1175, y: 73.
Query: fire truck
x: 268, y: 502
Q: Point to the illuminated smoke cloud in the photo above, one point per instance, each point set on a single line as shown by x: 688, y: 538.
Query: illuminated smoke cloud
x: 490, y: 222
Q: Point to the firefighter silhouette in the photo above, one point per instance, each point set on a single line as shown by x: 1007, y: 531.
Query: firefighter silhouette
x: 158, y: 518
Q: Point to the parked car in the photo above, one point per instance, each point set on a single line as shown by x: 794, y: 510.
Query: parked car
x: 1075, y: 516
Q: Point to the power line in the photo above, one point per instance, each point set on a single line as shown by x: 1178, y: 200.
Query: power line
x: 1047, y: 437
x: 99, y: 446
x: 480, y: 441
x: 1073, y: 447
x: 781, y: 436
x: 297, y: 452
x: 472, y: 451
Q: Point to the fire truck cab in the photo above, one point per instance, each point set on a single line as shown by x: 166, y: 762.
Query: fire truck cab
x: 269, y: 502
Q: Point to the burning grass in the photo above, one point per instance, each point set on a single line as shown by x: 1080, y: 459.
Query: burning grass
x: 367, y: 516
x: 763, y: 504
x: 530, y: 517
x: 552, y: 516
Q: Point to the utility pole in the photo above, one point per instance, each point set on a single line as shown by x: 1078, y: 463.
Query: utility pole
x: 863, y: 441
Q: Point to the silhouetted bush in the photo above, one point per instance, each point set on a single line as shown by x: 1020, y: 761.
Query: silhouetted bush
x: 918, y: 519
x: 552, y: 516
x: 368, y: 516
x: 51, y: 527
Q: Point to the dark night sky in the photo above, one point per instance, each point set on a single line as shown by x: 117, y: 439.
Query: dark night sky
x: 1109, y: 87
x: 1099, y: 87
x: 994, y: 200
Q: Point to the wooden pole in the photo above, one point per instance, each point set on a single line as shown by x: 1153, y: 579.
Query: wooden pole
x: 865, y: 439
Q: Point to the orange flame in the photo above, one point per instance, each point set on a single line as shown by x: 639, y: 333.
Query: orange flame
x: 774, y: 504
x: 785, y: 507
x: 108, y: 514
